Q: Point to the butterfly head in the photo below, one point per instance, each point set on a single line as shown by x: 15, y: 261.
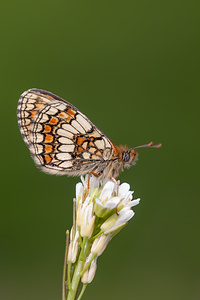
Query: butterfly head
x: 130, y: 156
x: 127, y: 156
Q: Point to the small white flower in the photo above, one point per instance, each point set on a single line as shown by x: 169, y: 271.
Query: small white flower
x: 98, y: 215
x: 89, y: 274
x: 102, y: 208
x: 124, y: 189
x: 85, y: 218
x: 93, y: 184
x: 73, y: 247
x: 116, y: 222
x: 107, y: 191
x: 92, y: 270
x: 100, y: 244
x: 113, y: 211
x: 79, y: 192
x: 133, y: 203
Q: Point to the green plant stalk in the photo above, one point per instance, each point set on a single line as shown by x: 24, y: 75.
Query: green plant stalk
x: 69, y: 265
x: 82, y: 291
x: 64, y: 267
x: 88, y: 264
x: 78, y: 270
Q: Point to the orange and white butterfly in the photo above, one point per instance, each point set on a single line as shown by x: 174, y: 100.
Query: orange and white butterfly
x: 62, y: 140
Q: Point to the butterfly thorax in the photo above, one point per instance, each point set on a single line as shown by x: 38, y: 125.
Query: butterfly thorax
x: 121, y: 158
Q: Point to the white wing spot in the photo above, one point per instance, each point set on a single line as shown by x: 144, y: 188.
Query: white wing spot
x: 66, y: 164
x: 25, y: 114
x: 27, y: 121
x: 86, y: 155
x: 69, y: 128
x: 84, y: 145
x: 76, y: 125
x: 64, y: 140
x: 99, y: 144
x: 92, y: 150
x: 86, y: 125
x: 52, y: 111
x: 44, y: 118
x: 30, y: 106
x: 29, y: 95
x: 106, y: 143
x: 66, y: 148
x: 65, y: 133
x: 61, y: 107
x: 63, y: 156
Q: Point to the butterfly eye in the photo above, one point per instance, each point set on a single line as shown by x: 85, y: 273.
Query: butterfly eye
x: 125, y: 156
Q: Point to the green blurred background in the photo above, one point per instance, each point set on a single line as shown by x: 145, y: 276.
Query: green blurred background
x: 133, y: 68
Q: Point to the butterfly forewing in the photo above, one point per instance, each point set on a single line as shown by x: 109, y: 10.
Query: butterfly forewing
x: 60, y: 138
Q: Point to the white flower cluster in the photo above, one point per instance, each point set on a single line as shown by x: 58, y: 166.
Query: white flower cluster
x: 98, y: 217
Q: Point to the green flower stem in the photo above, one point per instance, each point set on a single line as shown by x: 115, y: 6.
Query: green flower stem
x: 64, y: 267
x: 89, y: 263
x: 78, y: 270
x: 98, y: 234
x: 69, y: 265
x: 75, y: 281
x: 82, y: 291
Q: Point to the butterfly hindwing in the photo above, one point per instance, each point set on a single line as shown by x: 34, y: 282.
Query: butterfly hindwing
x: 61, y: 139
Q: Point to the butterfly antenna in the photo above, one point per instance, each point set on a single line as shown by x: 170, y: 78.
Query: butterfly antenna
x: 149, y: 145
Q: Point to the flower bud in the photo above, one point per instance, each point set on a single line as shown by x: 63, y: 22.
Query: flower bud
x: 89, y: 274
x: 87, y: 221
x: 73, y: 247
x: 117, y: 222
x: 100, y: 244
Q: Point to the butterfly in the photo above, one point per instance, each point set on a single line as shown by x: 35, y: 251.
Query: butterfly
x: 63, y: 141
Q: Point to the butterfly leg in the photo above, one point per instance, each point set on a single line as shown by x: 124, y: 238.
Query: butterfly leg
x: 88, y: 185
x: 117, y: 183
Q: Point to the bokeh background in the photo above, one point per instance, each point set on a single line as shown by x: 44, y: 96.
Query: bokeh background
x: 133, y: 68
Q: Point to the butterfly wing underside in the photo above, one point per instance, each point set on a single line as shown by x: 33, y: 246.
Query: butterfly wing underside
x: 60, y: 138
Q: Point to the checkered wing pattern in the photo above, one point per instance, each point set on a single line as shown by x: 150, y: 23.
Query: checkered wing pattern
x: 60, y: 138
